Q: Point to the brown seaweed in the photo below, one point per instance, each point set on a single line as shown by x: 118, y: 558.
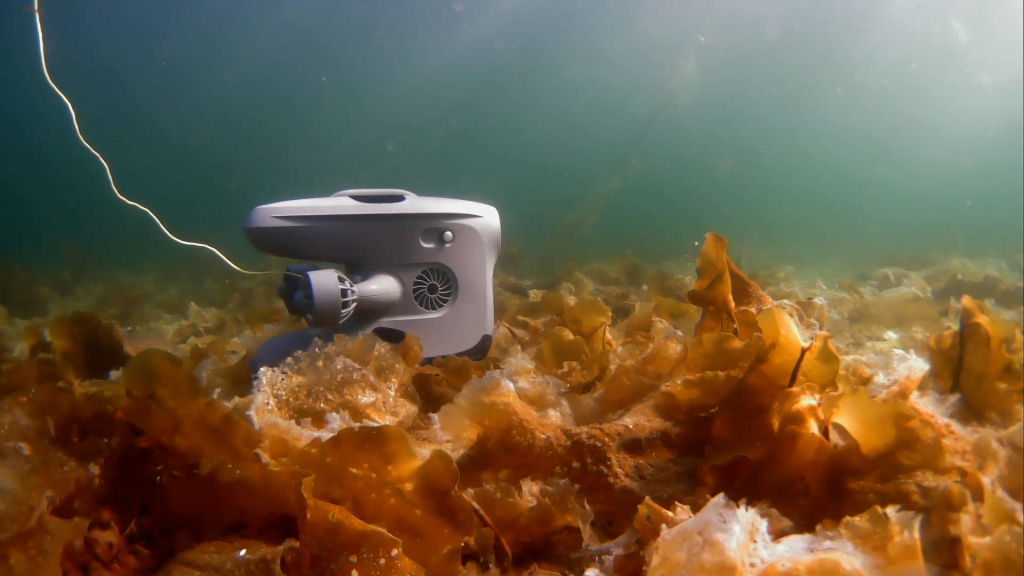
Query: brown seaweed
x: 608, y: 429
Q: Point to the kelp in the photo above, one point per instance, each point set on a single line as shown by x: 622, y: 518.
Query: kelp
x: 626, y: 420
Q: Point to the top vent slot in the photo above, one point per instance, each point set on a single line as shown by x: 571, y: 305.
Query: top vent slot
x: 375, y: 195
x: 383, y: 199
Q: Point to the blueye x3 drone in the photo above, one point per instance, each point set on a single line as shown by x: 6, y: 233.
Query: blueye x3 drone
x: 411, y: 264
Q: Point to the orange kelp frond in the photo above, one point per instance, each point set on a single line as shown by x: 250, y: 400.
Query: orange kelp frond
x: 721, y: 290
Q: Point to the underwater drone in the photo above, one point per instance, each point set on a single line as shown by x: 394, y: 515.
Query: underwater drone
x: 412, y: 264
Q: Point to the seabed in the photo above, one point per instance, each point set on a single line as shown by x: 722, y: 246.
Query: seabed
x: 629, y: 419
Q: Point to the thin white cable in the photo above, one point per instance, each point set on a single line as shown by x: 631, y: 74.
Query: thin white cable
x: 110, y: 176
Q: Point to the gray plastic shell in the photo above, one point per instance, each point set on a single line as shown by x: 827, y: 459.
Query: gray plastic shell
x: 373, y: 231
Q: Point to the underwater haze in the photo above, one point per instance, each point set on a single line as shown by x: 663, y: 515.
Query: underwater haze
x: 823, y: 134
x: 758, y: 308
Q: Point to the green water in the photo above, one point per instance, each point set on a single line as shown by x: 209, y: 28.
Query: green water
x: 822, y: 134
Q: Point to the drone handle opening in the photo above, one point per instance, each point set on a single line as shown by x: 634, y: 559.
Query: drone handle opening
x: 375, y: 195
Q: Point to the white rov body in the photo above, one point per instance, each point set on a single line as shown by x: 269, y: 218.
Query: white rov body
x: 412, y: 264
